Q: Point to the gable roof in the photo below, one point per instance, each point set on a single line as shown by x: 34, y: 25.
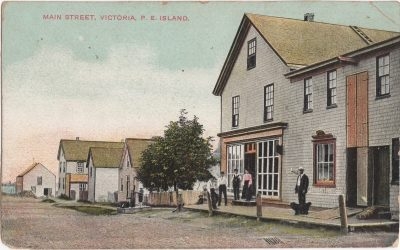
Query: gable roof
x: 300, y: 43
x: 105, y: 157
x: 77, y: 150
x: 351, y: 57
x: 135, y: 147
x: 34, y: 165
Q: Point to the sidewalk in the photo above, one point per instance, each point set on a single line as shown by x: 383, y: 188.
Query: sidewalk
x: 328, y: 218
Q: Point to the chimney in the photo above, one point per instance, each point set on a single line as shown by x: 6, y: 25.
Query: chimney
x: 77, y: 138
x: 309, y: 17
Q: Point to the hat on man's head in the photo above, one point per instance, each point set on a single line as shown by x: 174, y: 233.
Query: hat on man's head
x: 301, y: 168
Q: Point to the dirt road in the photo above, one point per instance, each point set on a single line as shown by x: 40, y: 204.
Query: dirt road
x: 29, y: 223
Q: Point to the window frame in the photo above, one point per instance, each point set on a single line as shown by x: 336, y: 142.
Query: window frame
x: 308, y: 97
x: 380, y: 77
x: 39, y: 180
x: 331, y: 91
x: 316, y: 181
x: 82, y: 186
x: 235, y: 111
x: 269, y: 98
x: 80, y: 167
x: 251, y: 53
x: 234, y: 159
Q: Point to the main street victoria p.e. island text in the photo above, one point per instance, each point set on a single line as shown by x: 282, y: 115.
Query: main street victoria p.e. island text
x: 114, y: 17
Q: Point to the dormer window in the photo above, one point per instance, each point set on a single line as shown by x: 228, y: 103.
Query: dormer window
x: 251, y: 53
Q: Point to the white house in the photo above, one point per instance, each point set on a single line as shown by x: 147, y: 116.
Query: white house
x: 38, y: 179
x: 103, y: 165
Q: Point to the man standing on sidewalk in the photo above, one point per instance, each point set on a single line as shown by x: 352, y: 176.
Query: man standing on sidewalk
x: 222, y: 183
x: 301, y: 188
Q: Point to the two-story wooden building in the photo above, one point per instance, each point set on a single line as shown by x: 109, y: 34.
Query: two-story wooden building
x: 73, y: 172
x: 286, y: 103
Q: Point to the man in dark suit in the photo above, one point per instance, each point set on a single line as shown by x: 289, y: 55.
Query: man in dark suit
x: 301, y: 187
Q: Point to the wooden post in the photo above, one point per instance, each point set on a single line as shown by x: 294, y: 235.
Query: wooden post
x: 180, y: 201
x: 259, y: 206
x: 210, y: 209
x: 343, y: 215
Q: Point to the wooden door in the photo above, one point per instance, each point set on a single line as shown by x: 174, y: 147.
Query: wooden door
x: 380, y: 180
x: 357, y: 110
x: 357, y: 136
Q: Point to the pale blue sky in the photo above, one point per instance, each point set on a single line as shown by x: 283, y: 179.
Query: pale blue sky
x: 108, y: 80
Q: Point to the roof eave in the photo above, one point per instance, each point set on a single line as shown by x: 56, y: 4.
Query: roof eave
x: 345, y: 58
x: 229, y: 61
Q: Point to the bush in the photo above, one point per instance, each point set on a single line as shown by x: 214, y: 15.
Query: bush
x: 48, y: 200
x: 64, y: 197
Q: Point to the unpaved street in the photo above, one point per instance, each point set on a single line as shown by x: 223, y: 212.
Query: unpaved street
x: 29, y: 223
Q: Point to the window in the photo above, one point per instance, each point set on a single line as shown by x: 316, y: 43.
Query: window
x: 91, y: 171
x: 324, y: 162
x: 308, y: 90
x: 235, y: 159
x: 268, y: 102
x: 82, y: 187
x: 267, y: 173
x: 128, y: 163
x: 235, y: 111
x: 59, y: 183
x: 128, y: 185
x: 39, y: 180
x: 122, y: 184
x: 395, y: 160
x: 382, y: 76
x: 63, y: 183
x: 331, y: 95
x: 251, y: 53
x: 79, y: 167
x: 60, y: 166
x: 64, y: 163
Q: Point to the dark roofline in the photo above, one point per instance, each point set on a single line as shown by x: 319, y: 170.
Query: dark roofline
x: 72, y: 140
x: 344, y: 58
x: 235, y: 47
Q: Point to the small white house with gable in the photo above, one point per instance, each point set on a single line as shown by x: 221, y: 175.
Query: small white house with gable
x: 37, y: 179
x: 103, y: 165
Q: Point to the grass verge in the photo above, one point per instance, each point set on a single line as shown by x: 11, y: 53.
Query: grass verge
x: 93, y: 210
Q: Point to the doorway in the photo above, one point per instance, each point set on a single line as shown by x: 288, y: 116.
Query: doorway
x: 250, y: 153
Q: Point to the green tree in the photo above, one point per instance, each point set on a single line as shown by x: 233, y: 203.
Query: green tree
x: 179, y: 158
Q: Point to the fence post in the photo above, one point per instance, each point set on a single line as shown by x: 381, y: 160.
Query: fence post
x: 210, y: 210
x: 180, y: 201
x: 259, y: 206
x: 343, y: 215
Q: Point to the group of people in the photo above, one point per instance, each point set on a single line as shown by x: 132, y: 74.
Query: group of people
x: 221, y: 183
